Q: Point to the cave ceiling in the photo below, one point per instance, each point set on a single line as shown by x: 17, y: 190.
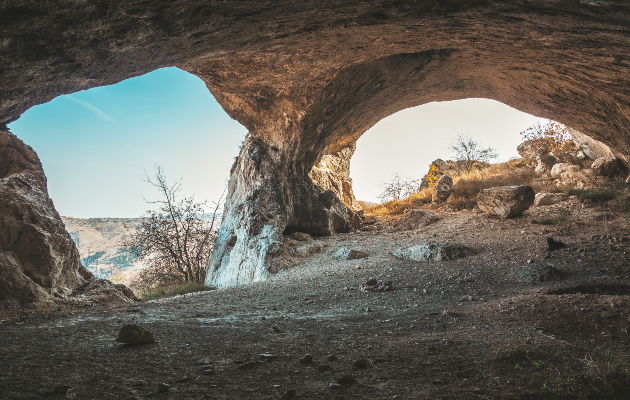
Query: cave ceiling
x: 332, y: 68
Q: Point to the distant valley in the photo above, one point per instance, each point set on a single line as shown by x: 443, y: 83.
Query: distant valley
x: 98, y: 241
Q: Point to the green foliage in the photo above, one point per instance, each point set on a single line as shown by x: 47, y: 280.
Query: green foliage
x: 175, y: 290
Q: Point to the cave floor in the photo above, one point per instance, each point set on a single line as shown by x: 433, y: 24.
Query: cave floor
x: 458, y: 329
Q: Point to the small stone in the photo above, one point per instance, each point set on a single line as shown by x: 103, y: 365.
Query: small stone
x: 163, y: 388
x: 349, y: 254
x: 307, y: 359
x: 346, y: 379
x: 276, y: 328
x: 361, y: 364
x: 209, y: 371
x: 184, y: 380
x: 324, y: 367
x: 135, y: 334
x: 247, y: 365
x: 335, y: 386
x: 331, y: 357
x: 204, y: 361
x: 267, y: 357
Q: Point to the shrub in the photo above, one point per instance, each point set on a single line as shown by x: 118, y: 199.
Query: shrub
x: 469, y: 153
x: 552, y: 137
x: 399, y: 188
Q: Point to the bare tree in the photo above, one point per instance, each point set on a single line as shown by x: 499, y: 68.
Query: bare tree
x: 469, y: 152
x: 399, y: 188
x: 177, y: 240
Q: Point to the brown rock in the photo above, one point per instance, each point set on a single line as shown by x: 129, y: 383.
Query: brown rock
x: 442, y: 189
x: 38, y: 259
x: 506, y: 201
x: 414, y: 219
x: 135, y: 334
x: 606, y: 166
x: 349, y: 254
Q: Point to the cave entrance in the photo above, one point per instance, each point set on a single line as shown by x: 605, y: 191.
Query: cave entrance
x: 406, y: 142
x: 95, y: 145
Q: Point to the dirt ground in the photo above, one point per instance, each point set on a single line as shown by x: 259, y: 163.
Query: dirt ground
x: 458, y: 329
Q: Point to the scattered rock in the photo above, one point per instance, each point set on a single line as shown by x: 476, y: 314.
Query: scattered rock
x: 135, y: 334
x: 324, y: 367
x: 346, y: 379
x: 361, y: 364
x: 554, y: 244
x: 606, y: 166
x: 348, y: 254
x: 267, y: 357
x: 307, y: 359
x: 301, y: 236
x: 442, y: 189
x: 414, y: 219
x: 247, y: 365
x: 538, y: 273
x: 331, y: 357
x: 185, y: 379
x: 547, y: 199
x: 335, y: 386
x: 276, y: 328
x: 560, y: 168
x: 506, y: 201
x: 210, y: 371
x: 433, y: 252
x: 204, y: 361
x: 163, y: 387
x: 370, y: 220
x: 309, y: 249
x: 374, y: 285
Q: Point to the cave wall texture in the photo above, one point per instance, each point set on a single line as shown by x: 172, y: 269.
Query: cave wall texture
x: 308, y: 78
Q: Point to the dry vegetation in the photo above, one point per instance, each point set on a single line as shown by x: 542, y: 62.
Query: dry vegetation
x: 467, y: 186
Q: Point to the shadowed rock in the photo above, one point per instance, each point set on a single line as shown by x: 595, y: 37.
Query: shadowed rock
x: 135, y: 334
x: 506, y: 201
x: 433, y: 252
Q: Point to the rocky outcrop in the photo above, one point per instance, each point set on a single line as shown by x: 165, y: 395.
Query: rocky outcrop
x: 38, y: 259
x: 307, y: 79
x: 506, y: 201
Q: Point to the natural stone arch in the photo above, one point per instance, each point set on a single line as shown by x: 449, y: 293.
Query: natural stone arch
x: 307, y: 79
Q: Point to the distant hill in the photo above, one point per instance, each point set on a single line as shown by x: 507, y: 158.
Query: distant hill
x: 98, y: 240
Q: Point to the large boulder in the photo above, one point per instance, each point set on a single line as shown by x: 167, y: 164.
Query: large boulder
x: 433, y: 252
x: 442, y: 189
x: 506, y: 201
x: 606, y: 166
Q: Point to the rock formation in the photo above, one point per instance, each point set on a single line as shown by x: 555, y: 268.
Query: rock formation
x: 38, y: 259
x: 307, y: 79
x: 506, y: 201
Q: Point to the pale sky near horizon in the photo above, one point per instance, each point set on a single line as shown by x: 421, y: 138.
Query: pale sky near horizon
x: 96, y: 145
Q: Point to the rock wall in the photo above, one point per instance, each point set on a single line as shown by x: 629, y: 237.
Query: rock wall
x: 308, y: 78
x: 38, y: 259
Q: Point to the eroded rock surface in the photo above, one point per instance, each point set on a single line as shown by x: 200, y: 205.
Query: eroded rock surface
x: 38, y: 259
x: 308, y: 79
x: 506, y: 201
x: 433, y: 252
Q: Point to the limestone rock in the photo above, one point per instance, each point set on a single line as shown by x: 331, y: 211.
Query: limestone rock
x: 547, y: 199
x: 349, y: 254
x: 528, y: 150
x: 538, y: 273
x: 104, y: 291
x: 135, y: 334
x: 38, y: 259
x: 309, y: 249
x: 591, y: 147
x: 442, y: 189
x: 560, y: 168
x: 606, y: 166
x: 506, y: 201
x: 433, y: 252
x: 370, y: 220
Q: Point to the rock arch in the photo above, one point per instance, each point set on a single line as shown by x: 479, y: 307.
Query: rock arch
x: 308, y: 79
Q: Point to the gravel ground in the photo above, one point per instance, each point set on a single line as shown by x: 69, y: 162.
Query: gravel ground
x: 459, y: 329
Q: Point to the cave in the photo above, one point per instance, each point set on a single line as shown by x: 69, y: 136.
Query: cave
x: 307, y: 80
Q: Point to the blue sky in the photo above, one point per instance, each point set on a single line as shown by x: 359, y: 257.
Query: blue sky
x: 96, y: 145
